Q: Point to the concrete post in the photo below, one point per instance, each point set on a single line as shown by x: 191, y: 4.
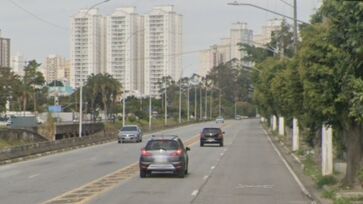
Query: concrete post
x: 281, y: 126
x: 295, y: 135
x: 274, y: 123
x: 327, y: 151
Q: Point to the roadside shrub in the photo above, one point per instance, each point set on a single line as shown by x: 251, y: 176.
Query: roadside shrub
x: 326, y: 181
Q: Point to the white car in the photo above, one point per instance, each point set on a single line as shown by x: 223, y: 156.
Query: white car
x: 220, y: 119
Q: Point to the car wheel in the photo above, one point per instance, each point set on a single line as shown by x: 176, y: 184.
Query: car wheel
x: 181, y: 174
x: 221, y: 144
x: 201, y: 144
x: 142, y: 173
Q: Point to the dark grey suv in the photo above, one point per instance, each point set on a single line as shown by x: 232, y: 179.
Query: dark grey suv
x: 164, y: 154
x: 211, y: 135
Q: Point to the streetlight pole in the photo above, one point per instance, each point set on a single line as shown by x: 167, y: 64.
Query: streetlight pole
x: 166, y: 107
x: 188, y: 103
x: 81, y: 83
x: 80, y: 109
x: 123, y: 109
x: 195, y: 102
x: 150, y: 117
x: 180, y: 91
x: 201, y: 102
x: 220, y: 97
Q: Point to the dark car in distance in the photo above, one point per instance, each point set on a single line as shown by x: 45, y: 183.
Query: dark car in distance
x: 211, y: 135
x: 164, y: 154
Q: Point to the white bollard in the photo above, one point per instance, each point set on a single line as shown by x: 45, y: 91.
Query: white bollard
x: 274, y: 123
x: 327, y: 151
x: 295, y: 135
x: 281, y: 126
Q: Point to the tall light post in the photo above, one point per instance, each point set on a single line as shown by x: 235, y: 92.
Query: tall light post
x: 123, y: 108
x: 166, y: 106
x: 180, y: 91
x: 150, y: 116
x: 81, y: 79
x: 80, y: 108
x: 188, y: 102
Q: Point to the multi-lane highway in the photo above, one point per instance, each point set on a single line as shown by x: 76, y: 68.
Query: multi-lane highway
x: 246, y: 170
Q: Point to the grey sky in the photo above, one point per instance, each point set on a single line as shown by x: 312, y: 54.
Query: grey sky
x: 205, y: 22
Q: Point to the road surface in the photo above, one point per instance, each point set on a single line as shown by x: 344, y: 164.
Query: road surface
x: 246, y: 170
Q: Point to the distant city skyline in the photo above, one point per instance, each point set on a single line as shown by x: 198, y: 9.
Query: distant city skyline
x: 204, y: 23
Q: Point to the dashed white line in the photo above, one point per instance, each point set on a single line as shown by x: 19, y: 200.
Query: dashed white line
x: 205, y: 177
x: 33, y: 176
x: 195, y: 192
x: 212, y: 167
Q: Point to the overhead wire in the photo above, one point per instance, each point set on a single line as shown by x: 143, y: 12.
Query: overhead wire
x: 37, y: 17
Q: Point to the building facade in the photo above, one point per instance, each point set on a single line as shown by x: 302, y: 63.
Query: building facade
x: 4, y: 52
x: 227, y: 49
x: 56, y: 68
x: 163, y: 47
x: 125, y: 48
x: 88, y: 45
x: 17, y: 64
x: 265, y: 36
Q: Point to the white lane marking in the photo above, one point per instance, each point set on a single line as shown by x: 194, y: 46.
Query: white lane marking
x: 33, y: 176
x: 212, y: 167
x: 195, y: 192
x: 254, y: 186
x: 302, y: 187
x: 205, y: 177
x: 222, y: 153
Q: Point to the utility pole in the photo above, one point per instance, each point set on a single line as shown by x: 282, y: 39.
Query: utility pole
x: 295, y: 27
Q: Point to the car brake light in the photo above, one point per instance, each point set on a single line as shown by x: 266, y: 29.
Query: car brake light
x: 177, y: 153
x: 145, y: 153
x: 220, y: 135
x: 201, y: 135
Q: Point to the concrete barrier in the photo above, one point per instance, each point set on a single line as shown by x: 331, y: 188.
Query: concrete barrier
x: 47, y: 146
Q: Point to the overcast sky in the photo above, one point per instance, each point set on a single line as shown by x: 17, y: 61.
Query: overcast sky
x: 205, y: 22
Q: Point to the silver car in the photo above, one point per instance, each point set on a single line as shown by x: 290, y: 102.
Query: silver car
x: 130, y: 133
x: 164, y: 154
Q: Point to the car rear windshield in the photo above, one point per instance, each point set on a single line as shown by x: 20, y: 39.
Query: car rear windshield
x: 211, y: 130
x: 129, y: 129
x: 162, y: 144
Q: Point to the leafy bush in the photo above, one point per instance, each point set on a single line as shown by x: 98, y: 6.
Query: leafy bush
x: 326, y: 181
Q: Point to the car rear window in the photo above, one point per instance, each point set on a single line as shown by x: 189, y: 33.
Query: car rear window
x: 162, y: 144
x: 129, y: 129
x: 211, y: 130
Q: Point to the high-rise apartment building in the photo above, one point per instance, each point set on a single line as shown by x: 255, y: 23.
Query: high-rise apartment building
x: 88, y: 45
x: 56, y: 68
x: 163, y: 47
x: 265, y: 36
x: 4, y: 51
x: 17, y: 64
x: 125, y: 48
x: 227, y: 49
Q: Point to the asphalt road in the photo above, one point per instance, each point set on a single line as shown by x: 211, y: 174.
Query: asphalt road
x: 246, y: 170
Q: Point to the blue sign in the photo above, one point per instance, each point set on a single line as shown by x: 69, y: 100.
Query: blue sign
x: 55, y: 109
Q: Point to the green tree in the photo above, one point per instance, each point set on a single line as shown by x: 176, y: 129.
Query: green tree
x: 331, y: 67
